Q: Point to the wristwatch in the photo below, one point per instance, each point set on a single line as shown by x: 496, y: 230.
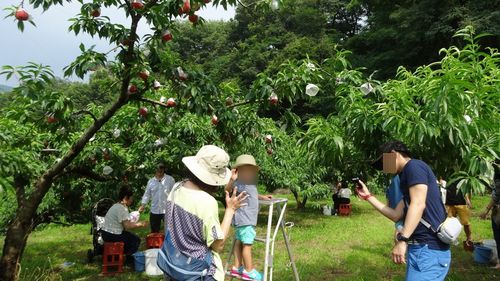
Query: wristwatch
x: 401, y: 238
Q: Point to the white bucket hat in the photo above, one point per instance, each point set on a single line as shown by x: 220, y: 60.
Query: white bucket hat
x: 209, y: 165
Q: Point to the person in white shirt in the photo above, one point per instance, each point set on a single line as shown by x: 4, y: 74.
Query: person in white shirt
x: 157, y: 191
x: 442, y: 187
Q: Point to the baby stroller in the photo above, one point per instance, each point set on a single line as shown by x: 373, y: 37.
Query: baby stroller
x: 98, y: 213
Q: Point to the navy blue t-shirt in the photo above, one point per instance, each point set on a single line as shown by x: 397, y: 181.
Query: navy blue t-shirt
x: 417, y: 172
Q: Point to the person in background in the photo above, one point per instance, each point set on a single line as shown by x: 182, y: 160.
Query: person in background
x: 494, y: 207
x: 194, y: 227
x: 245, y: 220
x: 117, y: 222
x: 394, y: 197
x: 442, y: 186
x: 459, y: 205
x: 335, y: 188
x: 157, y: 191
x: 428, y: 257
x: 343, y: 196
x: 393, y: 193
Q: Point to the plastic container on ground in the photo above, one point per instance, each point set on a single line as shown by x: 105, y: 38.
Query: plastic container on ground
x: 139, y: 262
x: 490, y: 243
x: 327, y: 211
x: 151, y: 268
x: 482, y: 254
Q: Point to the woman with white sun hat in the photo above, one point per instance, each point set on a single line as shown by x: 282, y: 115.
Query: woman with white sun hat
x: 193, y: 229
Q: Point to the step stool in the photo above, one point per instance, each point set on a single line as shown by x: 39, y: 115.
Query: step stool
x: 278, y: 204
x: 345, y: 209
x: 113, y: 258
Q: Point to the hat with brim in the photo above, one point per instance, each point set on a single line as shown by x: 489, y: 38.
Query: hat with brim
x: 245, y: 160
x: 209, y: 165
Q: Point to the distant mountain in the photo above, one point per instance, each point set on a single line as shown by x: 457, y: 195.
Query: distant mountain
x: 5, y: 88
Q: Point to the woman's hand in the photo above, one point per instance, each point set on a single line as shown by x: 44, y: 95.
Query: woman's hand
x: 362, y: 190
x: 266, y: 197
x: 234, y: 175
x: 234, y: 201
x: 143, y: 224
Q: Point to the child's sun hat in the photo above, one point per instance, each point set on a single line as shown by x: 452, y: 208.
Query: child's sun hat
x: 245, y: 159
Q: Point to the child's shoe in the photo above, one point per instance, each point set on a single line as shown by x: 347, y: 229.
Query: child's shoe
x: 237, y: 272
x: 253, y: 275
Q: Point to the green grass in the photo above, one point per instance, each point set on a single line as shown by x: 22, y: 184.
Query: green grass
x: 325, y: 248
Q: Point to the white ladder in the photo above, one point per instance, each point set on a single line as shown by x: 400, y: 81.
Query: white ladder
x: 280, y: 204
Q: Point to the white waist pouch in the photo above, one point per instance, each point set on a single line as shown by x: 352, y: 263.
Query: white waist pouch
x: 448, y: 231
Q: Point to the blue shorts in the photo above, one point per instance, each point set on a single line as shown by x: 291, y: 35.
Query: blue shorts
x: 425, y: 264
x: 246, y: 234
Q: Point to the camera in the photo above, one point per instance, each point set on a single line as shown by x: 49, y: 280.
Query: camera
x: 356, y: 181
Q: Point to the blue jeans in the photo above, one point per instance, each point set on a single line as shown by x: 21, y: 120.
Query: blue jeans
x: 425, y: 264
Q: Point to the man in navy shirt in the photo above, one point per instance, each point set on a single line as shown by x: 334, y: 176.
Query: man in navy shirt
x: 428, y: 258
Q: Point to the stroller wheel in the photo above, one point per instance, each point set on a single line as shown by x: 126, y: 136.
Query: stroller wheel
x: 90, y: 256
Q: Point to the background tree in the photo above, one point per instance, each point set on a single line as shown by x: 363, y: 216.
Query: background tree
x: 410, y: 33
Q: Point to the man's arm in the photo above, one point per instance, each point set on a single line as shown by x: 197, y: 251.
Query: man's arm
x: 484, y: 214
x: 146, y: 196
x: 467, y: 201
x: 393, y: 214
x: 418, y: 195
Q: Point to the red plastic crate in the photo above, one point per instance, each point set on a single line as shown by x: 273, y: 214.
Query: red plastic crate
x: 345, y: 209
x: 154, y: 240
x: 112, y: 258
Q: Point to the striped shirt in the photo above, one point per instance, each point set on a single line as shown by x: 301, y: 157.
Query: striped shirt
x: 195, y: 225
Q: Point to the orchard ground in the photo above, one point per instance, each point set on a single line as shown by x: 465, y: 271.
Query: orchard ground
x: 325, y: 248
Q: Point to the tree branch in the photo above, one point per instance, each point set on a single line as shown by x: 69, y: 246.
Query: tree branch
x: 153, y: 102
x: 20, y: 183
x: 83, y: 172
x: 244, y: 5
x: 86, y: 112
x: 242, y: 103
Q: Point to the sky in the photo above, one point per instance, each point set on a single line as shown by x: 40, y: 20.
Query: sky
x: 50, y: 43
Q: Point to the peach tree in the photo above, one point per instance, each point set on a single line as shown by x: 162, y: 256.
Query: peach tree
x: 447, y: 112
x: 52, y: 150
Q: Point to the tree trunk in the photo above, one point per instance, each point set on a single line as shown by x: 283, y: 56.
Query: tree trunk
x: 19, y: 230
x: 301, y: 204
x: 15, y: 242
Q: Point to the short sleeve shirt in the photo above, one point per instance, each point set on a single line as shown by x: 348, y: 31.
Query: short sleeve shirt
x: 454, y: 197
x: 157, y: 192
x: 247, y: 215
x: 195, y: 226
x: 117, y: 214
x: 345, y: 193
x: 417, y: 172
